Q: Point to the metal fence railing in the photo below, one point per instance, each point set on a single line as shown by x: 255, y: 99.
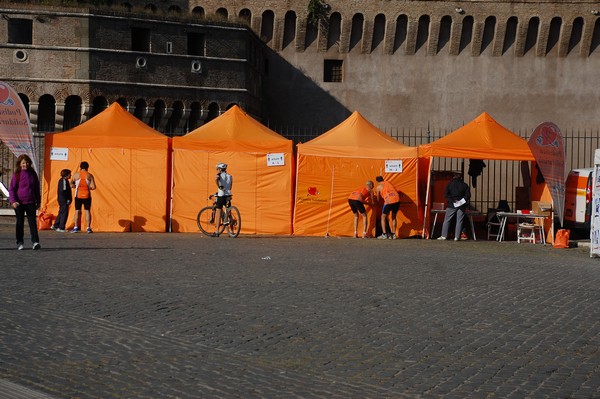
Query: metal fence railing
x: 499, y: 180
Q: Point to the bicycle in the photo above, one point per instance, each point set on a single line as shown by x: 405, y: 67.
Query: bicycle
x: 230, y: 219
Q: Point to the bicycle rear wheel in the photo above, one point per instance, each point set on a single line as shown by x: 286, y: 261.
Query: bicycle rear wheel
x: 206, y: 223
x: 235, y: 222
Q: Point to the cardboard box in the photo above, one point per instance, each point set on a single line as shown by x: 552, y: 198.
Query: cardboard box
x: 541, y: 208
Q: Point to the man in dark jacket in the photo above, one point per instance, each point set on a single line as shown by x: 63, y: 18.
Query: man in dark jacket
x: 457, y: 197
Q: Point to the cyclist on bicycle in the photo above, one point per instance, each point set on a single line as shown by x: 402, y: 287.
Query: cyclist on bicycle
x: 224, y: 182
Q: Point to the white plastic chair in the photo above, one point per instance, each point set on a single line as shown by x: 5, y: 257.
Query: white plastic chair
x: 527, y: 232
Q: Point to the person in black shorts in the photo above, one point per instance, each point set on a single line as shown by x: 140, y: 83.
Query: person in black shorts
x: 356, y: 200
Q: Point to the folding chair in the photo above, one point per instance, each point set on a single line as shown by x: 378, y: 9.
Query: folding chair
x: 493, y: 224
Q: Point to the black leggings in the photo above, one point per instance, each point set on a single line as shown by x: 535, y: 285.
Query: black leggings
x: 30, y: 210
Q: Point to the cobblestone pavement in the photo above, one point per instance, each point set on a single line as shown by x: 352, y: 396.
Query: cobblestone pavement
x: 184, y: 316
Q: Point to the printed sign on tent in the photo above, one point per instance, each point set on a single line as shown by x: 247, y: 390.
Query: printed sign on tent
x: 277, y: 159
x: 546, y: 144
x: 393, y: 166
x: 59, y: 154
x: 15, y: 129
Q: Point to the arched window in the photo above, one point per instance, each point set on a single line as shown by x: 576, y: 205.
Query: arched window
x: 511, y: 33
x: 194, y: 120
x: 576, y: 34
x: 378, y: 31
x: 173, y: 125
x: 198, y: 12
x: 595, y: 37
x: 123, y: 103
x: 72, y: 116
x: 532, y: 34
x: 553, y: 34
x: 25, y: 101
x: 422, y: 32
x: 160, y: 109
x: 289, y: 28
x: 312, y: 31
x: 213, y: 112
x: 245, y: 16
x: 401, y: 29
x: 358, y: 21
x: 174, y: 10
x: 141, y: 108
x: 489, y: 31
x: 466, y: 35
x: 445, y: 31
x: 222, y: 14
x: 266, y: 29
x: 335, y: 29
x: 46, y: 113
x: 98, y: 105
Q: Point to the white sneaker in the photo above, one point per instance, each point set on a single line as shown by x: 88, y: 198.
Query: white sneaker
x: 441, y: 238
x: 382, y: 237
x: 36, y: 245
x: 393, y: 237
x: 20, y: 247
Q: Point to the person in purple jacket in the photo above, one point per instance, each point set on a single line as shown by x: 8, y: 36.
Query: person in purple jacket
x: 25, y: 198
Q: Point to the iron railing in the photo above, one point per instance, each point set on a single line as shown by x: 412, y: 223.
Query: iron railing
x: 500, y: 180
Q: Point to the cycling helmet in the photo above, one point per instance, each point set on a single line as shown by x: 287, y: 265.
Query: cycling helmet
x: 221, y: 166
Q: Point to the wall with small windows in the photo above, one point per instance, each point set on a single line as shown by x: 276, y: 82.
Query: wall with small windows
x: 419, y: 62
x: 400, y: 63
x: 174, y: 75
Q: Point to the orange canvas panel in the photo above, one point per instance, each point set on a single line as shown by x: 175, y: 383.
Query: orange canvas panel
x: 130, y: 193
x: 482, y: 138
x: 262, y: 193
x: 234, y: 131
x: 129, y: 162
x: 191, y: 175
x: 357, y: 138
x: 112, y: 128
x: 330, y: 166
x: 323, y: 186
x: 148, y: 211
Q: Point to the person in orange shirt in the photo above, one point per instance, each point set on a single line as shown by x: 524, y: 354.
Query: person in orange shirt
x: 356, y: 200
x: 391, y: 205
x: 83, y: 182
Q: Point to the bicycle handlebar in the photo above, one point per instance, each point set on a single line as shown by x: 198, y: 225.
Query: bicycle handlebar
x: 215, y: 195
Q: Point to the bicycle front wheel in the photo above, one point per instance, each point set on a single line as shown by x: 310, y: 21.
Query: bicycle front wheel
x: 206, y: 221
x: 235, y: 222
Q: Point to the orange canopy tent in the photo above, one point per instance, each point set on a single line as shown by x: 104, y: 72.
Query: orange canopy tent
x: 482, y: 138
x: 262, y: 189
x: 129, y: 162
x: 332, y: 165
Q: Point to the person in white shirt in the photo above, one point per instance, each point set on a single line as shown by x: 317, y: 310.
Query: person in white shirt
x: 224, y: 183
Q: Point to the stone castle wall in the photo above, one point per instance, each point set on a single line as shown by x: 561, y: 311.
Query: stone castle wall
x: 523, y: 62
